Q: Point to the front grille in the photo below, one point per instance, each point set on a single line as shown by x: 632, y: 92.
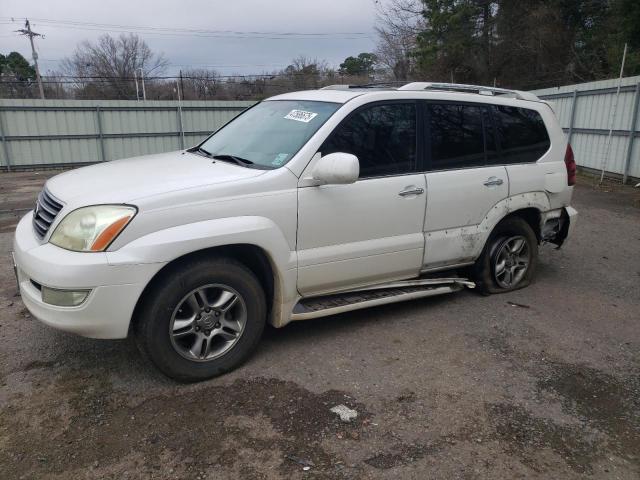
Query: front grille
x: 47, y: 208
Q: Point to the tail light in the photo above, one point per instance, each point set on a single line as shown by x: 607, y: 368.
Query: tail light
x: 570, y: 163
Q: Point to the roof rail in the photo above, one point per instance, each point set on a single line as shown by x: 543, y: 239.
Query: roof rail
x: 365, y: 85
x: 459, y: 87
x: 336, y: 87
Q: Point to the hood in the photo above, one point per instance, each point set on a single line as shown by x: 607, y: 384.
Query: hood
x: 123, y: 181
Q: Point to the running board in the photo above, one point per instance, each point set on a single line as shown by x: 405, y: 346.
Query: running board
x: 315, y: 307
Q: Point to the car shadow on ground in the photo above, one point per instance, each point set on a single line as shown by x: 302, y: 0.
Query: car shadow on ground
x: 122, y: 357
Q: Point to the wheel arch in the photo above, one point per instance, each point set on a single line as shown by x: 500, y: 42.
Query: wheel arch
x: 481, y: 269
x: 254, y: 257
x: 528, y: 206
x: 531, y: 215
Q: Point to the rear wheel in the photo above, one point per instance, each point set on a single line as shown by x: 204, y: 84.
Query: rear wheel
x: 509, y: 258
x: 202, y: 319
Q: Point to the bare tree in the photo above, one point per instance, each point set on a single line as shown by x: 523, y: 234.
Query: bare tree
x: 399, y: 23
x: 107, y: 67
x: 201, y: 84
x: 55, y: 86
x: 305, y: 72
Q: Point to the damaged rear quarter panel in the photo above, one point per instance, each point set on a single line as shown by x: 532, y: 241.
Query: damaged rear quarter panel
x: 465, y: 244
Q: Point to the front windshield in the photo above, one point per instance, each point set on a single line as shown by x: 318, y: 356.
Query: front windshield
x: 270, y: 133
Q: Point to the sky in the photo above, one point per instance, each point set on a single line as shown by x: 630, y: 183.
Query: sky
x: 346, y: 27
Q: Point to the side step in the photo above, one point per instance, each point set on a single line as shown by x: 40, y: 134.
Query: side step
x: 315, y: 307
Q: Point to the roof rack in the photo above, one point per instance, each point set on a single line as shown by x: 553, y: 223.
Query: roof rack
x: 459, y: 87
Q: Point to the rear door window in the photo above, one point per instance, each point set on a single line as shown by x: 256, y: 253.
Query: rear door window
x: 521, y: 133
x: 457, y: 135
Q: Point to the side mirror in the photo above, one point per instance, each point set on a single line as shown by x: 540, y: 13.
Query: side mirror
x: 336, y: 169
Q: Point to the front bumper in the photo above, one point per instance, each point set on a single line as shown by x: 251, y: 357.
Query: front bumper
x: 115, y: 289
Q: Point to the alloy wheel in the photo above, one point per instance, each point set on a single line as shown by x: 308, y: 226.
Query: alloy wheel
x: 208, y: 322
x: 511, y: 261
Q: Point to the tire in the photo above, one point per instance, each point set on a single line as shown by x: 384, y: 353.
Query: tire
x: 201, y: 319
x: 491, y: 270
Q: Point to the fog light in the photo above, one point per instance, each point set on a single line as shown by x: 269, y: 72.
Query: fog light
x: 63, y: 298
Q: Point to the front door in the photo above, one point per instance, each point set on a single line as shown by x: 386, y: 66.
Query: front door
x: 370, y: 231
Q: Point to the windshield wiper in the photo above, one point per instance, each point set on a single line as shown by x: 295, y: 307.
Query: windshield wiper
x: 201, y: 151
x: 232, y: 158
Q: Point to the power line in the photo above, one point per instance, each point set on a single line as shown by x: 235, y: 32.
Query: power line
x: 102, y: 79
x: 175, y: 31
x: 105, y: 81
x: 227, y: 66
x: 204, y: 35
x: 192, y: 77
x: 194, y: 65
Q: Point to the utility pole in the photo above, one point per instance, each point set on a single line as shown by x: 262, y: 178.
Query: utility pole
x: 27, y: 31
x: 180, y: 124
x: 181, y: 84
x: 135, y: 78
x: 144, y: 92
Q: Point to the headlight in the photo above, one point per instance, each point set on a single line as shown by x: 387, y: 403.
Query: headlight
x: 92, y: 229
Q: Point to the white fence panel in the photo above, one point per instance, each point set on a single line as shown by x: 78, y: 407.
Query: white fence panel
x: 66, y: 132
x: 595, y: 103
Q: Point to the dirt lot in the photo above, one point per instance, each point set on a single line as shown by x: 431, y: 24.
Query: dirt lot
x: 541, y: 383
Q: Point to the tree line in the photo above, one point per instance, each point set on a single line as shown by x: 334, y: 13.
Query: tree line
x: 125, y: 68
x: 522, y: 44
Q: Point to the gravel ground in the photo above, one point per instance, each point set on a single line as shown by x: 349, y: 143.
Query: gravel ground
x: 539, y: 383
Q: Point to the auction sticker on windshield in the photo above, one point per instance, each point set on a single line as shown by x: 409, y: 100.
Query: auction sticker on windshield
x: 300, y: 116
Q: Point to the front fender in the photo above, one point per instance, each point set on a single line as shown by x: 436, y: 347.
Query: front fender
x: 166, y: 245
x: 172, y: 243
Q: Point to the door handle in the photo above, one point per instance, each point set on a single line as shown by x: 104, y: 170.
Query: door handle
x: 411, y: 191
x: 493, y: 181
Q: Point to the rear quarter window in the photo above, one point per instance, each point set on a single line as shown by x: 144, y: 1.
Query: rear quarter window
x: 521, y: 134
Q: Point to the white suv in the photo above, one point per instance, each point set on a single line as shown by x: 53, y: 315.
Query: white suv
x: 305, y: 205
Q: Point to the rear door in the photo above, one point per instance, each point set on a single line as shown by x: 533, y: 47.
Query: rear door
x: 462, y: 185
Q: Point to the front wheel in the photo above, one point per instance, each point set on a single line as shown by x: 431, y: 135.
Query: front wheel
x: 201, y: 319
x: 509, y: 259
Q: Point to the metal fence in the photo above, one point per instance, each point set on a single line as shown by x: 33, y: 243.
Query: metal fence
x: 38, y: 133
x: 587, y: 112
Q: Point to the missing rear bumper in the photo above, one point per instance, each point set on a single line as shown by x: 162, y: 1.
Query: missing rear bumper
x: 558, y: 225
